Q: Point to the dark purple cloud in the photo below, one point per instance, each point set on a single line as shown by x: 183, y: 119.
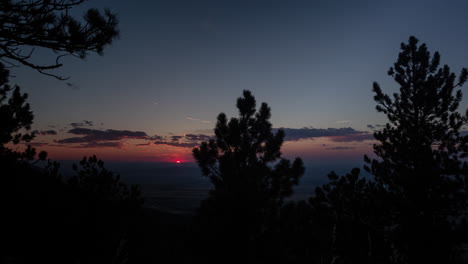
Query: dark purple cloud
x: 176, y: 138
x: 110, y: 144
x: 353, y: 137
x: 295, y: 134
x: 197, y: 137
x: 37, y: 144
x: 186, y: 141
x: 109, y: 134
x: 82, y: 124
x: 155, y: 137
x: 143, y: 144
x: 176, y: 144
x: 89, y: 138
x: 44, y: 132
x: 76, y: 124
x: 346, y: 134
x: 93, y: 135
x: 341, y: 148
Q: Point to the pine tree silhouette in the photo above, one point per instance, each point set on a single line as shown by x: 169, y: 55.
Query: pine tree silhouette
x: 420, y: 155
x: 249, y: 176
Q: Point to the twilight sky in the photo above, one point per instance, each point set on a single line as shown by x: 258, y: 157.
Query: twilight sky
x: 157, y: 90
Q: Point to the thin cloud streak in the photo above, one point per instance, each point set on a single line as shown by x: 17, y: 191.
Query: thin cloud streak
x: 197, y: 119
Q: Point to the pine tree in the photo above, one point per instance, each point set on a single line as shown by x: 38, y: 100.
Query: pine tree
x: 16, y: 118
x: 40, y: 211
x: 26, y: 25
x: 420, y: 155
x: 250, y: 178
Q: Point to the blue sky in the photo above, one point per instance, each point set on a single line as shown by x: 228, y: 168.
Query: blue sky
x: 178, y: 64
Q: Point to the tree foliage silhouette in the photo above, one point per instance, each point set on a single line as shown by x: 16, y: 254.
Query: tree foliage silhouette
x: 413, y: 207
x: 83, y: 220
x: 348, y: 218
x: 103, y: 202
x: 47, y: 24
x: 92, y: 177
x: 26, y: 25
x: 14, y: 111
x: 249, y: 176
x: 17, y: 118
x: 421, y: 154
x: 70, y: 212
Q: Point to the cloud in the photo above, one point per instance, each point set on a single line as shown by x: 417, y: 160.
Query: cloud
x: 143, y: 144
x: 341, y: 148
x: 375, y: 127
x: 82, y: 124
x: 93, y: 135
x: 295, y: 134
x: 109, y: 133
x: 177, y: 144
x: 346, y: 134
x: 44, y: 132
x: 155, y: 137
x: 197, y: 137
x: 176, y: 138
x: 353, y: 137
x: 343, y: 121
x: 76, y: 124
x: 197, y: 119
x: 185, y: 141
x: 37, y: 144
x: 108, y: 144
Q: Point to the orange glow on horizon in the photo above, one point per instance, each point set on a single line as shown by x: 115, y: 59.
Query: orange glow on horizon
x: 314, y: 149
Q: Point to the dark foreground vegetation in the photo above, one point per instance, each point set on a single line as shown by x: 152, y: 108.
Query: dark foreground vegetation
x: 411, y: 210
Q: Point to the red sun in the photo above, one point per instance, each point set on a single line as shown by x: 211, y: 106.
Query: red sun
x: 178, y: 161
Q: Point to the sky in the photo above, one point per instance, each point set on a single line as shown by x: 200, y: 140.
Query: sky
x: 156, y: 91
